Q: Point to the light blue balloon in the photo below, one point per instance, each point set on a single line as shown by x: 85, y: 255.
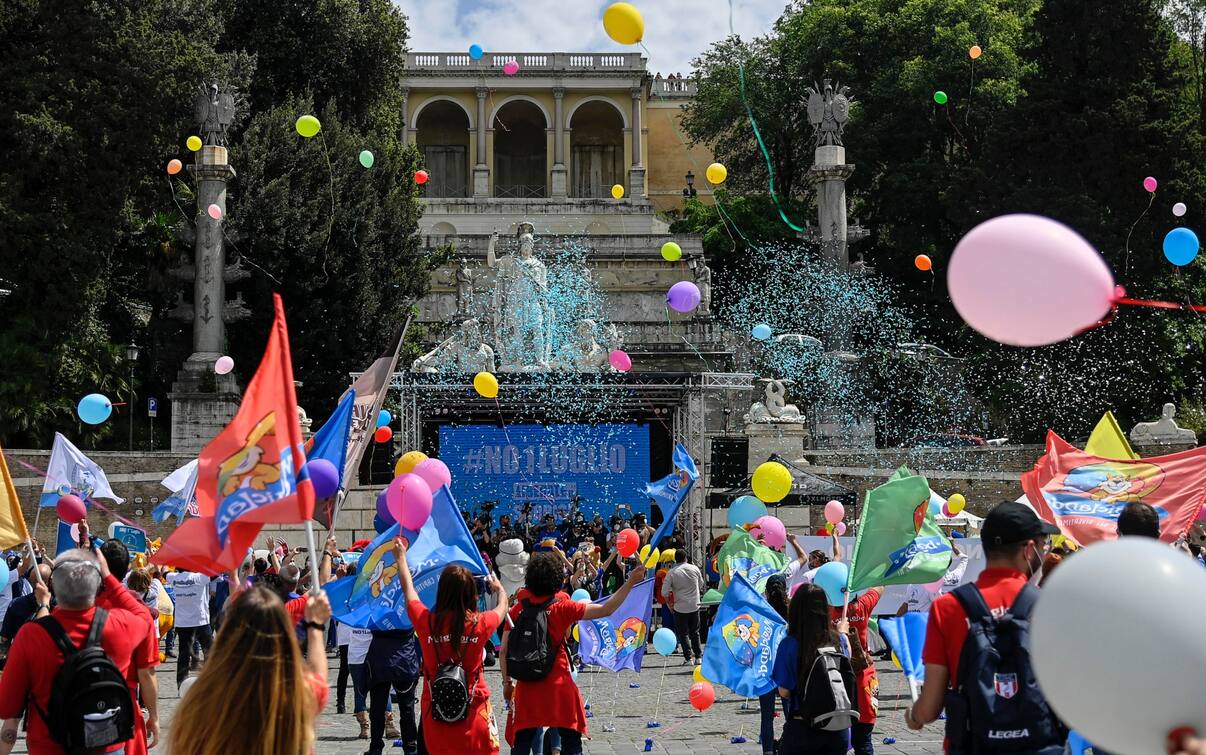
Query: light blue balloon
x: 935, y: 505
x: 761, y: 332
x: 580, y: 596
x: 476, y: 52
x: 832, y: 578
x: 1181, y: 246
x: 5, y: 575
x: 384, y: 418
x: 94, y: 408
x: 664, y: 641
x: 744, y: 510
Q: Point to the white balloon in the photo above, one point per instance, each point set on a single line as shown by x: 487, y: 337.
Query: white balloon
x: 186, y: 685
x: 1117, y: 647
x: 1179, y: 209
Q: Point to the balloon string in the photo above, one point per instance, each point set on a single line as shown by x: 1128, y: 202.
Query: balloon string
x: 1150, y: 199
x: 176, y: 201
x: 507, y: 435
x: 1160, y: 304
x: 658, y: 705
x: 971, y: 91
x: 331, y: 222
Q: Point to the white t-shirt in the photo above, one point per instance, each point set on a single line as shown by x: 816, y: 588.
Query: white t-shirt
x: 192, y: 598
x: 6, y: 594
x: 358, y: 645
x: 796, y: 574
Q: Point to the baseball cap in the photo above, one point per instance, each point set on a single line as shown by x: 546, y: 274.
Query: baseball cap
x: 1012, y: 522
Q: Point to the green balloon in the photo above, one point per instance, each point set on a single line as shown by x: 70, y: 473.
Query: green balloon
x: 366, y: 158
x: 307, y: 126
x: 940, y: 97
x: 671, y: 251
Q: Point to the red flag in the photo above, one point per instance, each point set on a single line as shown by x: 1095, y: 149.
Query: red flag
x: 1083, y: 494
x: 251, y: 473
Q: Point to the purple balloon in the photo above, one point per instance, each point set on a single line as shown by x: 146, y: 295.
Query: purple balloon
x: 683, y: 296
x: 383, y: 510
x: 324, y: 476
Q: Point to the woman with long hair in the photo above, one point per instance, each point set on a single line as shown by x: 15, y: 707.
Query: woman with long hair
x: 454, y: 632
x: 255, y: 685
x: 809, y: 628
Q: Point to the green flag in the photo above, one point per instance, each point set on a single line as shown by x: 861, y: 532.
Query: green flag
x: 898, y: 541
x: 742, y: 554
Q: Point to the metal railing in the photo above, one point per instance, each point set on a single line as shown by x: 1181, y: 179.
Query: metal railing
x: 519, y: 191
x: 550, y: 61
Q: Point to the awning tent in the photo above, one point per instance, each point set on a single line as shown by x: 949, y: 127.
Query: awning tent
x: 807, y: 489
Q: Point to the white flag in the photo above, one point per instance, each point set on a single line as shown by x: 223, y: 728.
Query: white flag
x: 70, y: 471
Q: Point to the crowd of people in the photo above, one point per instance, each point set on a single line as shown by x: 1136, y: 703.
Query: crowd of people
x: 82, y: 636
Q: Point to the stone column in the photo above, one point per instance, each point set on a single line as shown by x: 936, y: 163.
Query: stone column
x: 829, y: 172
x: 481, y: 171
x: 405, y: 117
x: 636, y: 174
x: 560, y: 178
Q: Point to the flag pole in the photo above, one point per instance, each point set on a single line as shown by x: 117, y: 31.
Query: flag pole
x: 314, y: 562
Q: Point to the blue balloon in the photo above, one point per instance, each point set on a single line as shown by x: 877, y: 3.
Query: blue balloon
x: 664, y: 641
x: 935, y: 505
x: 384, y: 418
x: 5, y: 574
x: 94, y: 408
x: 580, y: 596
x: 761, y: 332
x: 476, y: 52
x: 323, y: 476
x: 1181, y: 246
x: 379, y: 524
x: 744, y: 510
x: 832, y: 578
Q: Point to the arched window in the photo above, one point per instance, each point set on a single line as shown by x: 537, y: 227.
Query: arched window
x: 442, y: 135
x: 520, y: 155
x: 596, y: 150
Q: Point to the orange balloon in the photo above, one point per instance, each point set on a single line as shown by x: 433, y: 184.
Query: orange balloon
x: 923, y: 262
x: 174, y: 167
x: 975, y: 52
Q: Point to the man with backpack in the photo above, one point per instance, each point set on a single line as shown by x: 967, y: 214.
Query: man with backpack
x: 977, y: 660
x: 68, y: 670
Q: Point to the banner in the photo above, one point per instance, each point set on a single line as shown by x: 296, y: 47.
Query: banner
x: 898, y: 541
x: 368, y: 393
x: 70, y: 471
x: 331, y: 443
x: 183, y: 500
x: 373, y: 598
x: 742, y: 555
x: 743, y: 640
x: 619, y: 641
x: 1083, y: 493
x: 670, y: 491
x: 12, y: 520
x: 906, y: 636
x: 1108, y: 441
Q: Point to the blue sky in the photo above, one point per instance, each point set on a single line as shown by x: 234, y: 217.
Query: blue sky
x: 675, y: 30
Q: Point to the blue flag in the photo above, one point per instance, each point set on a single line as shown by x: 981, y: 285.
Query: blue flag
x: 618, y: 641
x: 670, y: 491
x: 373, y: 598
x: 743, y: 641
x: 331, y: 443
x: 906, y: 635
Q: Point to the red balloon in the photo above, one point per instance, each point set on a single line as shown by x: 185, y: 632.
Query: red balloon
x: 627, y: 542
x: 420, y: 177
x: 71, y: 509
x: 702, y: 695
x: 383, y: 434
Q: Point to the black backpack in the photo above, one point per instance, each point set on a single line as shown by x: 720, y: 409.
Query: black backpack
x: 90, y: 703
x: 450, y: 693
x: 995, y: 705
x: 530, y: 655
x: 828, y: 699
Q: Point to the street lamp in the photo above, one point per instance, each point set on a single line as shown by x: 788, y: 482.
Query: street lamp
x: 690, y: 191
x: 131, y: 358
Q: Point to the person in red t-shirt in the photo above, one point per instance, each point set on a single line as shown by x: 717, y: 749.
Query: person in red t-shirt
x: 1015, y: 541
x: 454, y: 631
x: 142, y: 668
x: 553, y: 701
x: 79, y: 577
x: 858, y: 613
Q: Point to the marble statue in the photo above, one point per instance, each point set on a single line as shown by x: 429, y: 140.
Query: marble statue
x: 464, y: 287
x: 1163, y: 431
x: 828, y: 111
x: 583, y: 353
x: 464, y: 352
x: 703, y: 281
x: 775, y: 407
x: 522, y: 320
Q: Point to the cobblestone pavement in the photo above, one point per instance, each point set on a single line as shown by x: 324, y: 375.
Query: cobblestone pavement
x: 627, y: 709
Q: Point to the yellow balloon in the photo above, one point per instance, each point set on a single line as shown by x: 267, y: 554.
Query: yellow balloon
x: 575, y: 633
x: 486, y: 385
x: 697, y: 675
x: 623, y: 23
x: 716, y: 174
x: 772, y: 482
x: 617, y: 191
x: 193, y: 143
x: 955, y: 503
x: 308, y: 126
x: 408, y: 461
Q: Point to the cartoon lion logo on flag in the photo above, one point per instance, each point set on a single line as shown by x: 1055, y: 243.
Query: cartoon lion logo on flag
x: 741, y: 635
x: 250, y: 466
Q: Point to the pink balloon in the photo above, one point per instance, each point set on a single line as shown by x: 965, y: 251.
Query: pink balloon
x: 434, y: 472
x: 1201, y: 515
x: 214, y: 211
x: 409, y: 500
x: 224, y: 365
x: 71, y: 509
x: 774, y: 533
x: 840, y: 528
x: 1027, y: 280
x: 620, y: 360
x: 834, y: 512
x: 511, y: 67
x: 1150, y: 184
x: 946, y: 511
